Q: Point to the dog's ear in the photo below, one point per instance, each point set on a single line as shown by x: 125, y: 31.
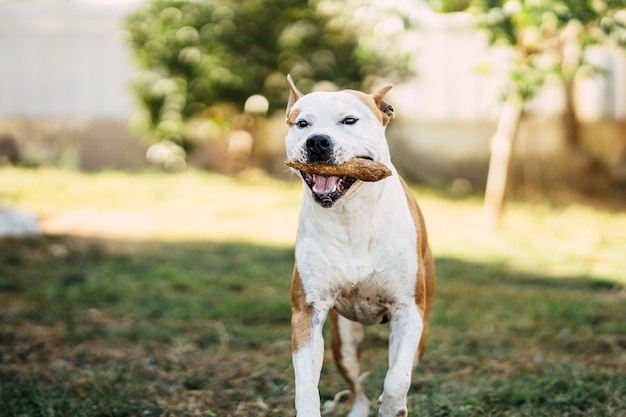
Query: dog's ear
x: 294, y: 94
x: 385, y: 107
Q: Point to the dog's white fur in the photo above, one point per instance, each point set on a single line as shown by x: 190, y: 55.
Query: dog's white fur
x: 366, y: 257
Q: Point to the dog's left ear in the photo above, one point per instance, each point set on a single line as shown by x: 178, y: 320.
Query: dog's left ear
x: 294, y: 94
x: 385, y: 107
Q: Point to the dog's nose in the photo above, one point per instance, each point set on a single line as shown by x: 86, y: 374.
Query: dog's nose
x: 319, y: 148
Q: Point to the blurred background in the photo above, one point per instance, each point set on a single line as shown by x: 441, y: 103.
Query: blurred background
x: 94, y: 84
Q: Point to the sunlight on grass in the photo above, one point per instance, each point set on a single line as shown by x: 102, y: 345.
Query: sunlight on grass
x: 563, y: 242
x: 193, y: 205
x: 572, y: 241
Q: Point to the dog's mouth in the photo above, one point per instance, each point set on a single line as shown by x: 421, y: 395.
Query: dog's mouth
x: 328, y: 190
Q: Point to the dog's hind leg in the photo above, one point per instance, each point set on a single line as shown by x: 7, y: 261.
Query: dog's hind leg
x: 346, y: 339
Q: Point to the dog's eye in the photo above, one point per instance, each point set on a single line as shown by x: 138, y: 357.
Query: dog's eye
x: 302, y: 123
x: 349, y: 120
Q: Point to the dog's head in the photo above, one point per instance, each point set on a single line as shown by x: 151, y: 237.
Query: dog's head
x: 333, y: 127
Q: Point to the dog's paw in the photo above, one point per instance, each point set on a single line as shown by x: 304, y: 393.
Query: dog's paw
x: 390, y: 408
x: 400, y: 413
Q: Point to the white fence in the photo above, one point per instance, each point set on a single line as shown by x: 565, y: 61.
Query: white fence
x: 64, y: 59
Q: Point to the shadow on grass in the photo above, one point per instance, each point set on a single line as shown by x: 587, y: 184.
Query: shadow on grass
x: 108, y: 328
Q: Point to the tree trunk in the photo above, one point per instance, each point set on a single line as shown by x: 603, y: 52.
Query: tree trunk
x: 501, y: 150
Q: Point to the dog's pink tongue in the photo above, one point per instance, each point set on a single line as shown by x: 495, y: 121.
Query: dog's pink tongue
x: 324, y: 185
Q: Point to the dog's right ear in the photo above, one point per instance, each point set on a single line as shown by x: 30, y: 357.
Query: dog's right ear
x: 294, y: 94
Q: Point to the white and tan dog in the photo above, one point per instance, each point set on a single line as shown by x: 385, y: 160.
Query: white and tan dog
x: 361, y: 254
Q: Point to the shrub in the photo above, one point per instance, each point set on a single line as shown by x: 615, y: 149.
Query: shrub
x: 197, y: 58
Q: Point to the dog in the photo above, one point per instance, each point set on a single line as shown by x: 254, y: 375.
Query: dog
x: 362, y: 255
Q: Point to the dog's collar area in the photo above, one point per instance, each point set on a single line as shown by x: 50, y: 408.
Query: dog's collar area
x: 327, y: 190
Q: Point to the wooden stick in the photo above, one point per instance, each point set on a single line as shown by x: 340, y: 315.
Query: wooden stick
x: 359, y: 168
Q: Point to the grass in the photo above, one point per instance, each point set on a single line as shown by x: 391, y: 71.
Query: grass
x: 167, y: 295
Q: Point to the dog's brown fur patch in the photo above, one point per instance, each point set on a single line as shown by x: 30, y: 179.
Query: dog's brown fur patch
x: 301, y: 313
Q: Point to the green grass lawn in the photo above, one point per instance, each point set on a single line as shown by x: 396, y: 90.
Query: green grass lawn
x: 167, y: 295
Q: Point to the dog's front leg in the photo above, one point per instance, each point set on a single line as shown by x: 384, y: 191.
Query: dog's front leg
x: 307, y: 342
x: 307, y: 365
x: 405, y: 330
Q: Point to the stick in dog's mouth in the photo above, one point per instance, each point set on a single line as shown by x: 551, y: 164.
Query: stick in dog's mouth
x: 329, y: 182
x: 360, y: 168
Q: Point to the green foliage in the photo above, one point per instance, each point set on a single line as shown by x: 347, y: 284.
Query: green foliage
x: 507, y: 20
x: 449, y: 6
x: 550, y: 36
x: 196, y: 55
